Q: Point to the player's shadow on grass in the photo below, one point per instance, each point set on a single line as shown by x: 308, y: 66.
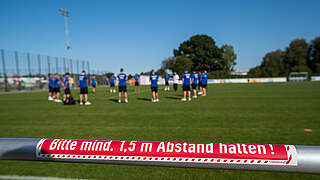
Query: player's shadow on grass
x: 170, y: 97
x: 143, y: 99
x: 114, y: 100
x: 178, y: 95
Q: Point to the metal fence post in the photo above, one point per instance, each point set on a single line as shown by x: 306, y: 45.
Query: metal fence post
x: 29, y: 65
x: 77, y: 61
x: 2, y: 60
x: 17, y: 63
x: 39, y: 64
x: 4, y: 71
x: 57, y: 68
x: 88, y: 67
x: 71, y: 66
x: 64, y: 65
x: 72, y: 74
x: 48, y: 60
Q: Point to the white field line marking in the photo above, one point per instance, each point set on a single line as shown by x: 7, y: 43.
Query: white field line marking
x: 16, y: 177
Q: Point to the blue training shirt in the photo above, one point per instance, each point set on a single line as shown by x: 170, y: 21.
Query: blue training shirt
x: 51, y: 83
x: 93, y: 81
x: 56, y: 83
x: 195, y: 77
x: 167, y: 78
x: 154, y: 80
x: 83, y: 81
x: 112, y: 80
x: 204, y: 78
x: 63, y: 80
x: 186, y: 79
x: 136, y: 78
x: 66, y: 82
x: 122, y: 79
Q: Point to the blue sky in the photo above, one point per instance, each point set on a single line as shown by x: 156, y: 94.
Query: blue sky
x: 138, y: 35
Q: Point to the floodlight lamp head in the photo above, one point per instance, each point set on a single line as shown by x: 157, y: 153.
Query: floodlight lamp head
x: 64, y: 12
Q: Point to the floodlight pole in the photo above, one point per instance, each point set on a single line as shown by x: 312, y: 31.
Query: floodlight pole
x: 65, y: 13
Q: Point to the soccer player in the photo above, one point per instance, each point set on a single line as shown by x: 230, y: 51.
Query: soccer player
x: 62, y: 82
x: 204, y: 80
x: 194, y: 79
x: 199, y: 84
x: 56, y: 87
x: 83, y: 83
x: 166, y: 78
x: 50, y: 86
x: 186, y: 81
x: 66, y: 86
x: 112, y: 80
x: 153, y: 79
x: 175, y: 81
x: 122, y: 86
x: 93, y: 82
x: 136, y: 82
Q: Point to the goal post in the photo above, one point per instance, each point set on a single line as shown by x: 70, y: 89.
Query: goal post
x: 298, y: 76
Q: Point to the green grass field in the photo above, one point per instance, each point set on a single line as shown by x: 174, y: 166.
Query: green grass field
x: 275, y: 113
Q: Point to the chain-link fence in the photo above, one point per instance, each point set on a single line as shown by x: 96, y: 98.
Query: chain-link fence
x: 27, y: 71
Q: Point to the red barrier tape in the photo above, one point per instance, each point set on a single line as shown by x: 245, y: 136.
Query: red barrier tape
x: 265, y: 154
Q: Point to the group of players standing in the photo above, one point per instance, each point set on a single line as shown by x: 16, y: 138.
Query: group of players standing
x: 199, y: 80
x: 55, y: 83
x: 194, y: 80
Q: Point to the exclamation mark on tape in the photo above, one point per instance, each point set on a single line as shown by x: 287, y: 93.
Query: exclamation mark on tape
x: 271, y: 147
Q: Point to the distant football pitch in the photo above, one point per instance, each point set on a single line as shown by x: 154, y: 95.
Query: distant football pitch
x: 275, y: 113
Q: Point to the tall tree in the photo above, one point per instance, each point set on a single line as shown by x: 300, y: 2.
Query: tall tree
x: 298, y: 57
x: 295, y: 58
x: 182, y: 63
x: 229, y: 57
x: 161, y: 72
x: 272, y: 64
x: 168, y: 64
x: 202, y: 51
x: 109, y: 74
x: 314, y: 55
x: 177, y: 64
x: 255, y: 71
